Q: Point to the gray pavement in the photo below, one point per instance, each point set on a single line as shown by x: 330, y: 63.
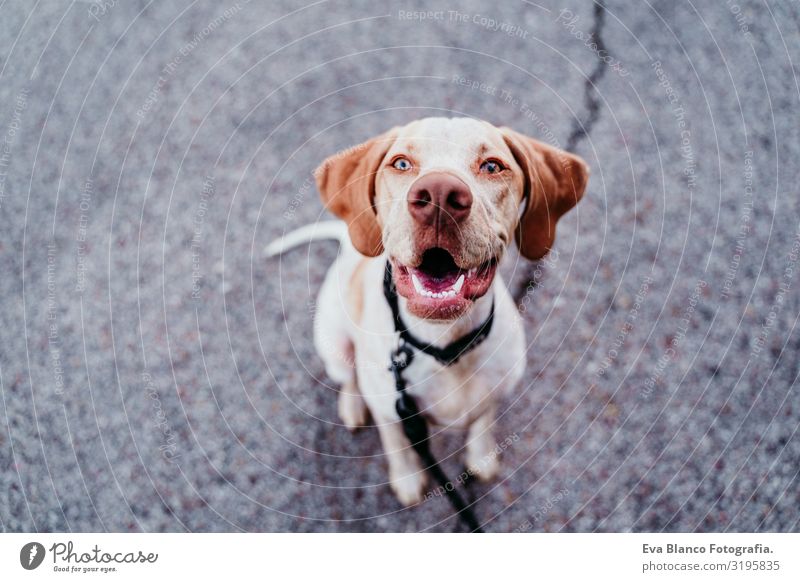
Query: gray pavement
x: 157, y: 373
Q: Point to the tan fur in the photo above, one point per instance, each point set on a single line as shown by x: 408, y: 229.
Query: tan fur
x: 555, y: 181
x: 346, y: 182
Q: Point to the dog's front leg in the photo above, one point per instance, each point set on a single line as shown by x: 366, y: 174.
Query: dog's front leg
x: 406, y: 475
x: 482, y: 458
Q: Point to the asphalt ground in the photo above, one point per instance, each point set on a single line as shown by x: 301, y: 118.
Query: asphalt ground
x: 157, y: 372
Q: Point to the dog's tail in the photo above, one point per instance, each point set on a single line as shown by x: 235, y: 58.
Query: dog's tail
x: 327, y: 230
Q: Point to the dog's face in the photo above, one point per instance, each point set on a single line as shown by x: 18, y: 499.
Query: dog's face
x: 443, y: 197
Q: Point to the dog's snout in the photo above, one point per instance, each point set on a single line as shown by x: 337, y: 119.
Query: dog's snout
x: 439, y: 197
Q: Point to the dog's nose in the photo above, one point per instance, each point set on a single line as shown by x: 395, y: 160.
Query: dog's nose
x: 438, y: 198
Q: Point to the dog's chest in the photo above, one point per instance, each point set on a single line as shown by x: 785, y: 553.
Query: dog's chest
x: 454, y: 395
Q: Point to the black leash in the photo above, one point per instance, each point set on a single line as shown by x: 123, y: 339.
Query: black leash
x: 414, y: 425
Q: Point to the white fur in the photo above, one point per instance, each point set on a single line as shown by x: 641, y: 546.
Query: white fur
x: 356, y: 347
x: 326, y: 230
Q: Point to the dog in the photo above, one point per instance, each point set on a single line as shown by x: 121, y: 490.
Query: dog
x: 439, y: 200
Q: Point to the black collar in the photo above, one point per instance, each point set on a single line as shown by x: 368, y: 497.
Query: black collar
x: 446, y: 355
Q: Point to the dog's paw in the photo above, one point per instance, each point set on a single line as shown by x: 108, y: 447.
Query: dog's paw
x: 353, y: 410
x: 409, y: 488
x: 484, y: 467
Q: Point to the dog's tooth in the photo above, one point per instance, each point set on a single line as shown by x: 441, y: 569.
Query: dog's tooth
x: 472, y: 272
x: 417, y: 284
x: 459, y: 284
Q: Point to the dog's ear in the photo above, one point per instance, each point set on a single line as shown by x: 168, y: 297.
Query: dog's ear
x: 555, y: 181
x: 346, y: 182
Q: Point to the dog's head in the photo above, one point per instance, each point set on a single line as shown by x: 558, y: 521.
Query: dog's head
x: 443, y: 198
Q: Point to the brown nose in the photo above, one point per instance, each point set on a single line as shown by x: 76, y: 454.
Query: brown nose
x: 439, y: 198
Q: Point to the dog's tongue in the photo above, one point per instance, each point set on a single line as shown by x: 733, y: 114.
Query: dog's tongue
x: 438, y: 271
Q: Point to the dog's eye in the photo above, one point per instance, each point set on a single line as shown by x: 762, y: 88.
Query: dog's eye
x: 401, y: 164
x: 491, y: 167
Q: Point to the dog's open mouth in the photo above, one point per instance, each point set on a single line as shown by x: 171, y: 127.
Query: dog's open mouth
x: 438, y: 288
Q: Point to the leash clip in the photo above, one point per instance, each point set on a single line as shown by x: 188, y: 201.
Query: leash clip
x: 401, y: 359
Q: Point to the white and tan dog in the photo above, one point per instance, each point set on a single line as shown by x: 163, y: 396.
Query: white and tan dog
x: 440, y: 199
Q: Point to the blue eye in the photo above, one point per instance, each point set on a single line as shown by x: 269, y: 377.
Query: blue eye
x: 492, y: 167
x: 401, y: 164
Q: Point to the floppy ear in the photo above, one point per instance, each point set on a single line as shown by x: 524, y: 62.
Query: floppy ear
x: 346, y: 182
x: 555, y: 181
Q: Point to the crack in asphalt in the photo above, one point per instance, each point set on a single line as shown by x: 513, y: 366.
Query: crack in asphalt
x: 590, y: 96
x: 580, y: 129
